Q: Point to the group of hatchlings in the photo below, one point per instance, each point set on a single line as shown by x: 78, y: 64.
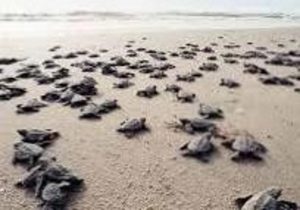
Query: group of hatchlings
x: 52, y: 182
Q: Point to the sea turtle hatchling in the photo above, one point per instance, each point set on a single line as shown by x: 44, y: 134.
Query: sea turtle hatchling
x: 245, y: 147
x: 173, y: 88
x: 108, y: 106
x: 132, y: 127
x: 185, y: 97
x: 193, y: 125
x: 123, y: 84
x: 229, y: 83
x: 265, y: 200
x: 54, y: 195
x: 39, y: 137
x: 199, y: 147
x: 26, y: 153
x: 210, y: 112
x: 91, y: 111
x: 30, y: 106
x: 148, y: 92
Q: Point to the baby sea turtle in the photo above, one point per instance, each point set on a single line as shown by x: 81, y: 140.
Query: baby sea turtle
x: 209, y: 67
x: 185, y: 97
x: 132, y: 127
x: 54, y: 195
x: 124, y: 75
x: 274, y: 80
x: 199, y: 147
x: 39, y: 137
x: 185, y: 77
x: 229, y: 83
x: 265, y: 200
x: 91, y: 111
x: 30, y: 106
x: 78, y: 101
x: 123, y: 84
x: 254, y: 69
x: 245, y: 147
x: 194, y: 125
x: 173, y: 88
x: 210, y: 112
x: 51, y: 96
x: 108, y: 106
x: 158, y: 74
x: 27, y: 153
x: 148, y: 92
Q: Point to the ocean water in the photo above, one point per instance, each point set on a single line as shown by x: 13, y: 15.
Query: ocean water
x: 37, y: 24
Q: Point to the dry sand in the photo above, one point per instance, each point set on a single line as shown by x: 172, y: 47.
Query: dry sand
x: 147, y: 172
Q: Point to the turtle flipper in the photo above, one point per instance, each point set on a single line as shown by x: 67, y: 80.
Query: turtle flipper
x: 236, y: 157
x: 242, y: 200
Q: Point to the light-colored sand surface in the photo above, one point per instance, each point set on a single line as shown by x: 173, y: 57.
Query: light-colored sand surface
x: 147, y: 172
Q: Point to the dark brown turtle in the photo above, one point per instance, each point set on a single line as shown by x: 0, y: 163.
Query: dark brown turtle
x: 124, y: 75
x: 209, y: 67
x: 85, y: 87
x: 185, y: 97
x: 78, y: 101
x: 120, y: 61
x: 194, y: 125
x: 54, y: 195
x: 185, y: 77
x: 30, y: 106
x: 48, y: 171
x: 132, y: 127
x: 51, y: 96
x: 210, y: 112
x: 27, y: 153
x: 254, y: 69
x: 274, y: 80
x: 265, y: 200
x: 230, y: 83
x: 123, y: 84
x: 8, y: 92
x: 245, y: 147
x: 149, y: 92
x: 108, y: 69
x: 231, y: 61
x: 108, y: 106
x: 173, y: 88
x: 9, y: 61
x: 158, y: 74
x: 91, y: 111
x: 39, y: 137
x: 200, y: 148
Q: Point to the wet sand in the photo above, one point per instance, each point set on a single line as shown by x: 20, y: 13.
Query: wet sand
x: 147, y: 172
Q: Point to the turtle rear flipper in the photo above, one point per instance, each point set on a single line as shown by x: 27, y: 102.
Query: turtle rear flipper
x: 287, y: 205
x: 242, y: 200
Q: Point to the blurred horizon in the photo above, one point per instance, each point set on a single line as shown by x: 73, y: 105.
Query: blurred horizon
x: 146, y: 6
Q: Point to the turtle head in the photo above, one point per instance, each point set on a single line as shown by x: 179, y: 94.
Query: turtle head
x: 143, y: 119
x: 184, y: 121
x: 274, y: 192
x: 22, y: 132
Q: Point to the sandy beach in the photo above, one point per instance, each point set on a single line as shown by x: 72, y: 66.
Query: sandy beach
x: 147, y: 172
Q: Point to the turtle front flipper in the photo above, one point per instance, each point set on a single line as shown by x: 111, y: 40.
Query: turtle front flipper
x: 237, y: 156
x: 282, y: 204
x: 242, y: 200
x: 184, y: 147
x: 40, y: 183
